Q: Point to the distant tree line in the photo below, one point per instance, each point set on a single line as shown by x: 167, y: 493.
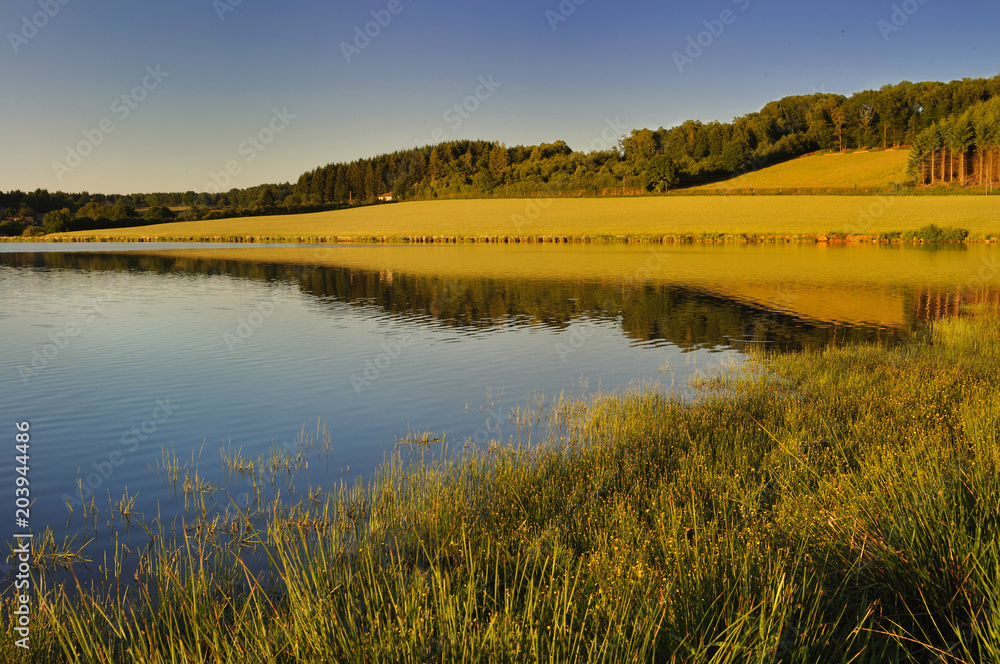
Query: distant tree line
x: 41, y: 211
x: 963, y: 148
x: 655, y: 160
x: 952, y: 127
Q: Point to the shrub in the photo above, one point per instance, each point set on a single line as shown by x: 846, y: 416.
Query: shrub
x: 12, y: 228
x: 934, y: 233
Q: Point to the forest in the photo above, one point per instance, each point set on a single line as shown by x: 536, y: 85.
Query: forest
x: 657, y: 160
x: 954, y: 129
x: 963, y: 149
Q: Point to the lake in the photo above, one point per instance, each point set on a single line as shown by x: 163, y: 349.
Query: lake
x: 129, y: 360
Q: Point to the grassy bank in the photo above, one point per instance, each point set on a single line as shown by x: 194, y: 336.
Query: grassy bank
x: 736, y: 218
x: 832, y: 507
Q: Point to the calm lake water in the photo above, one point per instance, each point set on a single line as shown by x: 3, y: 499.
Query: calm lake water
x: 120, y: 354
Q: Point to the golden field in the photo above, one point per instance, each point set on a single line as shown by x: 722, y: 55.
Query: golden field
x: 834, y: 170
x: 590, y: 218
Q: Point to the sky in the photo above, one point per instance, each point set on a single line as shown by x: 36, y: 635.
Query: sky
x: 130, y: 96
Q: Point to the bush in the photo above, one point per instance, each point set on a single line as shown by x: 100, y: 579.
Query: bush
x: 12, y: 228
x: 161, y: 212
x: 933, y: 233
x: 57, y: 221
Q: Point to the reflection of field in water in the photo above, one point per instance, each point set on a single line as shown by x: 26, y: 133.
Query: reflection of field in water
x: 881, y: 285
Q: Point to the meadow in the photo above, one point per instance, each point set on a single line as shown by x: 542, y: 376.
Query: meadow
x: 834, y: 506
x: 733, y: 218
x: 841, y: 171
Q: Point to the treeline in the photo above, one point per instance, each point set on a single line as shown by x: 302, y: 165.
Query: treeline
x: 41, y: 201
x: 951, y: 125
x: 649, y: 160
x: 41, y: 211
x: 963, y: 149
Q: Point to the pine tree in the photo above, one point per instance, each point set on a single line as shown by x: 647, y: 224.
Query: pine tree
x: 499, y: 160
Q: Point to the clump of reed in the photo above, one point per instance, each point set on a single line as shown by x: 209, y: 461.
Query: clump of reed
x: 834, y: 506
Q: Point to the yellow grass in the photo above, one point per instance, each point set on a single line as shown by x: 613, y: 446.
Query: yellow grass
x: 864, y: 170
x: 587, y: 217
x: 691, y: 264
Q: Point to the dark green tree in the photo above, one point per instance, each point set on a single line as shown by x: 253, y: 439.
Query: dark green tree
x: 121, y: 211
x: 93, y: 211
x: 57, y: 221
x: 159, y: 212
x: 661, y: 173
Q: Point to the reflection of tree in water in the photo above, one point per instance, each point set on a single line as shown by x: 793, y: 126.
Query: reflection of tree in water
x: 686, y: 317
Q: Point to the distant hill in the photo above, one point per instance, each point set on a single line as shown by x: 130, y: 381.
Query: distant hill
x: 685, y: 155
x: 954, y: 129
x: 837, y: 171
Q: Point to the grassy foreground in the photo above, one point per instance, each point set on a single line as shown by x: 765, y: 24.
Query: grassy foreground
x: 833, y: 507
x: 589, y: 218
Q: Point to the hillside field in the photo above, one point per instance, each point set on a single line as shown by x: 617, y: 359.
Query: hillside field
x: 834, y: 170
x: 780, y: 216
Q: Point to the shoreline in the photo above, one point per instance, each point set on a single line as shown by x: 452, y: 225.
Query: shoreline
x: 663, y: 220
x: 721, y: 238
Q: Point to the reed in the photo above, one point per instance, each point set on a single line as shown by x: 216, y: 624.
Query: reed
x: 834, y: 506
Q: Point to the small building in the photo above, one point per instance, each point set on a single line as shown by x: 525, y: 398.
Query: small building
x: 385, y: 198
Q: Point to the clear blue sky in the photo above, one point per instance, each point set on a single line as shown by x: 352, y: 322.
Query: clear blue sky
x: 225, y: 68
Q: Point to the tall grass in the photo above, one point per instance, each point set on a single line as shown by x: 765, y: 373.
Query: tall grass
x: 841, y: 506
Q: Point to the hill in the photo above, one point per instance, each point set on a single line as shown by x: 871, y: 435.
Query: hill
x: 954, y: 128
x: 877, y: 170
